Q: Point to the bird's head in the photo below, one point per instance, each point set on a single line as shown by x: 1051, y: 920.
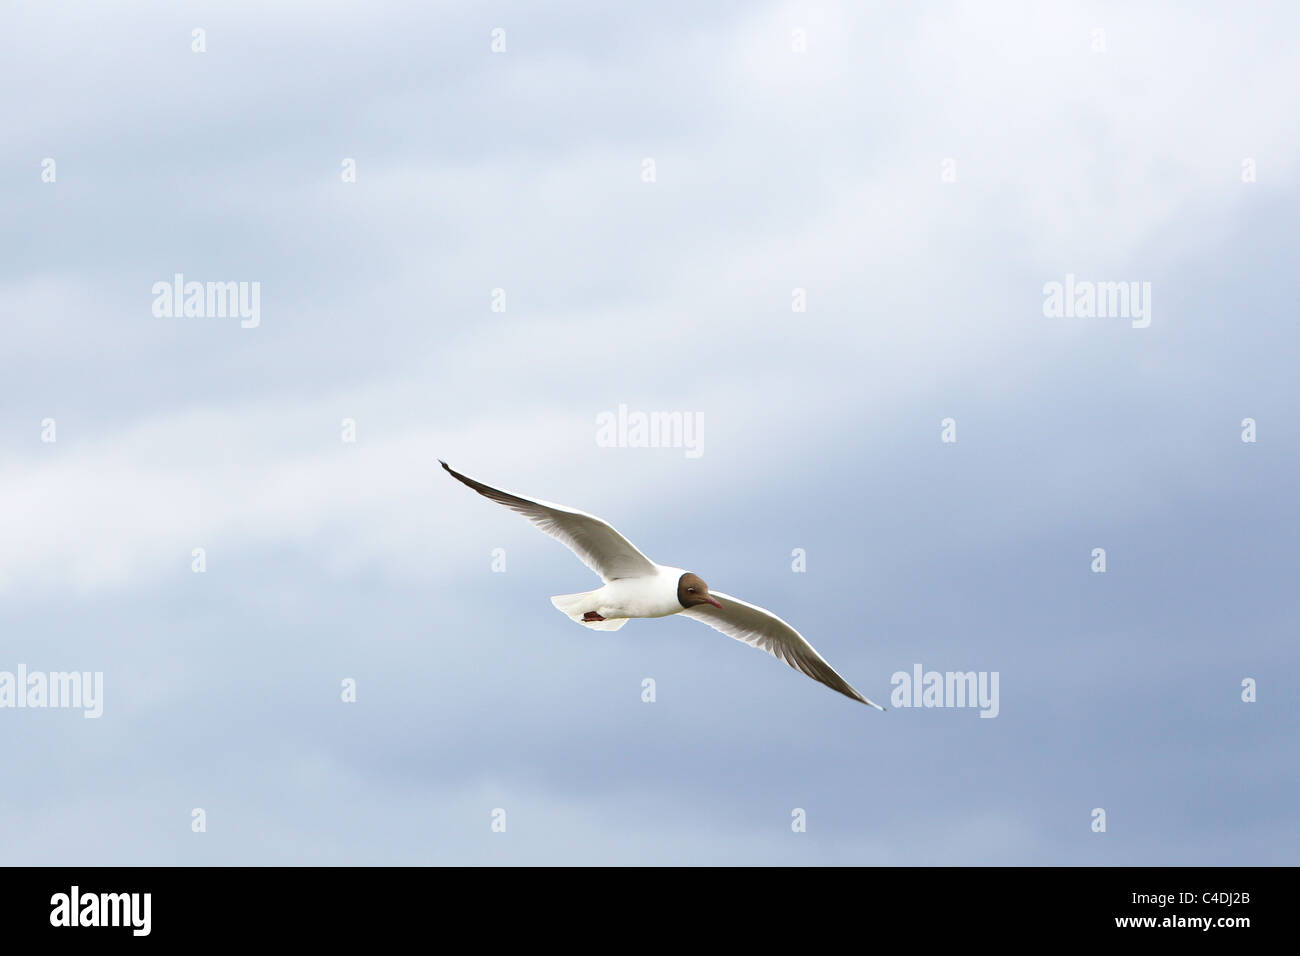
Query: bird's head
x: 692, y: 591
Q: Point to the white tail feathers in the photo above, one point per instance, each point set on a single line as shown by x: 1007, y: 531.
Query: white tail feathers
x: 571, y: 604
x: 577, y: 605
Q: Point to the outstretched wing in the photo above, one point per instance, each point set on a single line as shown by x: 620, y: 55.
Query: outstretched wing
x: 600, y: 547
x: 764, y: 630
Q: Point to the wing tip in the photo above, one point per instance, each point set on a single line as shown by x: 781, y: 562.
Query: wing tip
x: 869, y: 703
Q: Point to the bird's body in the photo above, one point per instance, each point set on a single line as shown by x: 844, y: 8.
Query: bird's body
x: 647, y: 595
x: 634, y: 586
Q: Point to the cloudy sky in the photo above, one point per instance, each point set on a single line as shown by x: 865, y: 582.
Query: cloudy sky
x: 648, y: 186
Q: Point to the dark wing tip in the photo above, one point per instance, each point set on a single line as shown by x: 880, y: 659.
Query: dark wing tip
x: 863, y: 700
x: 477, y: 486
x: 487, y: 491
x: 461, y: 478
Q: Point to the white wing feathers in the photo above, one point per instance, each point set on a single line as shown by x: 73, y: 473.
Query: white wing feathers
x: 599, y: 546
x: 764, y: 630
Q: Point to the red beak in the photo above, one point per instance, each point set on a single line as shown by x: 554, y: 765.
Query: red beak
x: 714, y: 601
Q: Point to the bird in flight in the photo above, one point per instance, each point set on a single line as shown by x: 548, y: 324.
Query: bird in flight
x: 634, y: 586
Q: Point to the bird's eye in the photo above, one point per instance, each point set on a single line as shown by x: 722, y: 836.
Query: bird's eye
x: 690, y: 590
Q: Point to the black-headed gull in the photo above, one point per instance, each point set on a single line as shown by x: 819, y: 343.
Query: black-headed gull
x: 637, y: 587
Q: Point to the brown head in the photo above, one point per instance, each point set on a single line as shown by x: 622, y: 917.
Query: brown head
x: 691, y: 590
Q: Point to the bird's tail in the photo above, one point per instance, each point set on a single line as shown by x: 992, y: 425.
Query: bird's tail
x: 577, y: 605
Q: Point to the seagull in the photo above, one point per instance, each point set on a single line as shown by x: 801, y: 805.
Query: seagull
x: 634, y: 586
